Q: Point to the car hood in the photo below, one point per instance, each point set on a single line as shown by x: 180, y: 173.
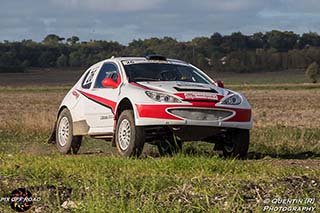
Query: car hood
x: 175, y: 87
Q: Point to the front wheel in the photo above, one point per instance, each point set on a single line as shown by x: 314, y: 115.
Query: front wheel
x: 66, y: 142
x: 129, y: 137
x: 237, y: 144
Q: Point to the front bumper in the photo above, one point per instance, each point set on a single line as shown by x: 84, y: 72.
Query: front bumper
x: 163, y: 114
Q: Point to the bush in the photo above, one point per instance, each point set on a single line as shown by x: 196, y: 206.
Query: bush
x: 62, y: 61
x: 312, y: 72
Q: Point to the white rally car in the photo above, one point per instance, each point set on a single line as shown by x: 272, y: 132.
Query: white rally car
x: 134, y: 100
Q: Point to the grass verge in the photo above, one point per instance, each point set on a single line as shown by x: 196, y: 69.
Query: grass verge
x: 178, y: 184
x: 274, y: 141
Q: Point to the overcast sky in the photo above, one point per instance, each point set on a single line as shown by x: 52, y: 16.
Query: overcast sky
x: 125, y: 20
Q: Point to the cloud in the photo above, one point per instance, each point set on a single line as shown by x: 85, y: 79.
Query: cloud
x: 110, y: 5
x: 230, y: 5
x: 287, y: 15
x: 125, y: 20
x: 305, y: 6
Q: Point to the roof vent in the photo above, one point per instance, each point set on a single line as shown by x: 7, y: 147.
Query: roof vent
x: 156, y: 57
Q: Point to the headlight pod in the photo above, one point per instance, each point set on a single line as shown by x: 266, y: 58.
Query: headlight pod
x: 232, y: 100
x: 161, y: 97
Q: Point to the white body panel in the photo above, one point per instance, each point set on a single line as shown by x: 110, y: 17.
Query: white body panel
x: 97, y: 107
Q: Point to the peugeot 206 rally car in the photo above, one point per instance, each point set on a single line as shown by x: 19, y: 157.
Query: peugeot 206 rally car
x: 134, y: 100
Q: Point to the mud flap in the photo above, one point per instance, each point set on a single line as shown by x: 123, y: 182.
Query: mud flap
x: 52, y: 138
x: 80, y: 128
x: 113, y: 141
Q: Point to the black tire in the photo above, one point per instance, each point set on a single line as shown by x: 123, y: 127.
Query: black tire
x: 71, y: 144
x: 170, y: 146
x: 238, y: 144
x: 135, y: 138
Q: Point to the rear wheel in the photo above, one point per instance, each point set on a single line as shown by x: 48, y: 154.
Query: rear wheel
x: 66, y: 142
x: 129, y: 137
x: 237, y: 144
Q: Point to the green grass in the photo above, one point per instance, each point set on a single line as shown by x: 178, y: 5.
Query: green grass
x: 178, y: 184
x: 286, y: 142
x: 275, y: 141
x: 197, y: 180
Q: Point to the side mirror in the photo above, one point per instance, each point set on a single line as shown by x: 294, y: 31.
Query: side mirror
x: 220, y: 83
x: 109, y: 82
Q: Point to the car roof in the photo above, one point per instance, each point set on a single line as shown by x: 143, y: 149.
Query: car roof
x: 142, y: 59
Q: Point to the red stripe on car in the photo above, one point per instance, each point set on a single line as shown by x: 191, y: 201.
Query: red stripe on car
x: 159, y: 111
x: 156, y: 111
x: 203, y: 104
x: 140, y: 86
x: 105, y: 102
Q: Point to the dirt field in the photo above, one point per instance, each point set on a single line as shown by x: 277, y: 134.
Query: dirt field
x: 58, y: 77
x: 285, y: 120
x: 292, y: 108
x: 39, y: 77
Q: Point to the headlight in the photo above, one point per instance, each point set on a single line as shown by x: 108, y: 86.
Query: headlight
x: 160, y: 97
x: 232, y: 100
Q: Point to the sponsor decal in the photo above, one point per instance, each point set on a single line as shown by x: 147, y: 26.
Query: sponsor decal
x: 128, y: 62
x: 201, y: 95
x: 133, y: 61
x: 106, y: 117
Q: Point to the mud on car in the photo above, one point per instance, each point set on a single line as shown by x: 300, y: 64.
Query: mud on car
x: 131, y: 101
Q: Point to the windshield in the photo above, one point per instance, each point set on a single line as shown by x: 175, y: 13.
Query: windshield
x: 163, y: 72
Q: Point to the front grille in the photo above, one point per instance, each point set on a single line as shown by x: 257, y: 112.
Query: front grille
x: 201, y: 114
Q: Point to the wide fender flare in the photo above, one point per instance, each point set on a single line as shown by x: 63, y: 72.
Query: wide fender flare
x: 134, y: 108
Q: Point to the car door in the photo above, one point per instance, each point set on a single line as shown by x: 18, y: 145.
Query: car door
x: 100, y: 112
x: 86, y: 105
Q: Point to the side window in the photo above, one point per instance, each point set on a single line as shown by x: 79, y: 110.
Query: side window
x: 107, y: 71
x: 87, y: 80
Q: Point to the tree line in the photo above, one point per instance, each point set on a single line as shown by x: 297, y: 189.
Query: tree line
x: 273, y: 50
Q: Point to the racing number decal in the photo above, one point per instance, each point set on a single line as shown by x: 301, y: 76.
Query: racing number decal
x: 90, y: 77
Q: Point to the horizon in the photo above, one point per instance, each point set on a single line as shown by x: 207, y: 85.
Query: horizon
x: 64, y: 38
x: 124, y: 21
